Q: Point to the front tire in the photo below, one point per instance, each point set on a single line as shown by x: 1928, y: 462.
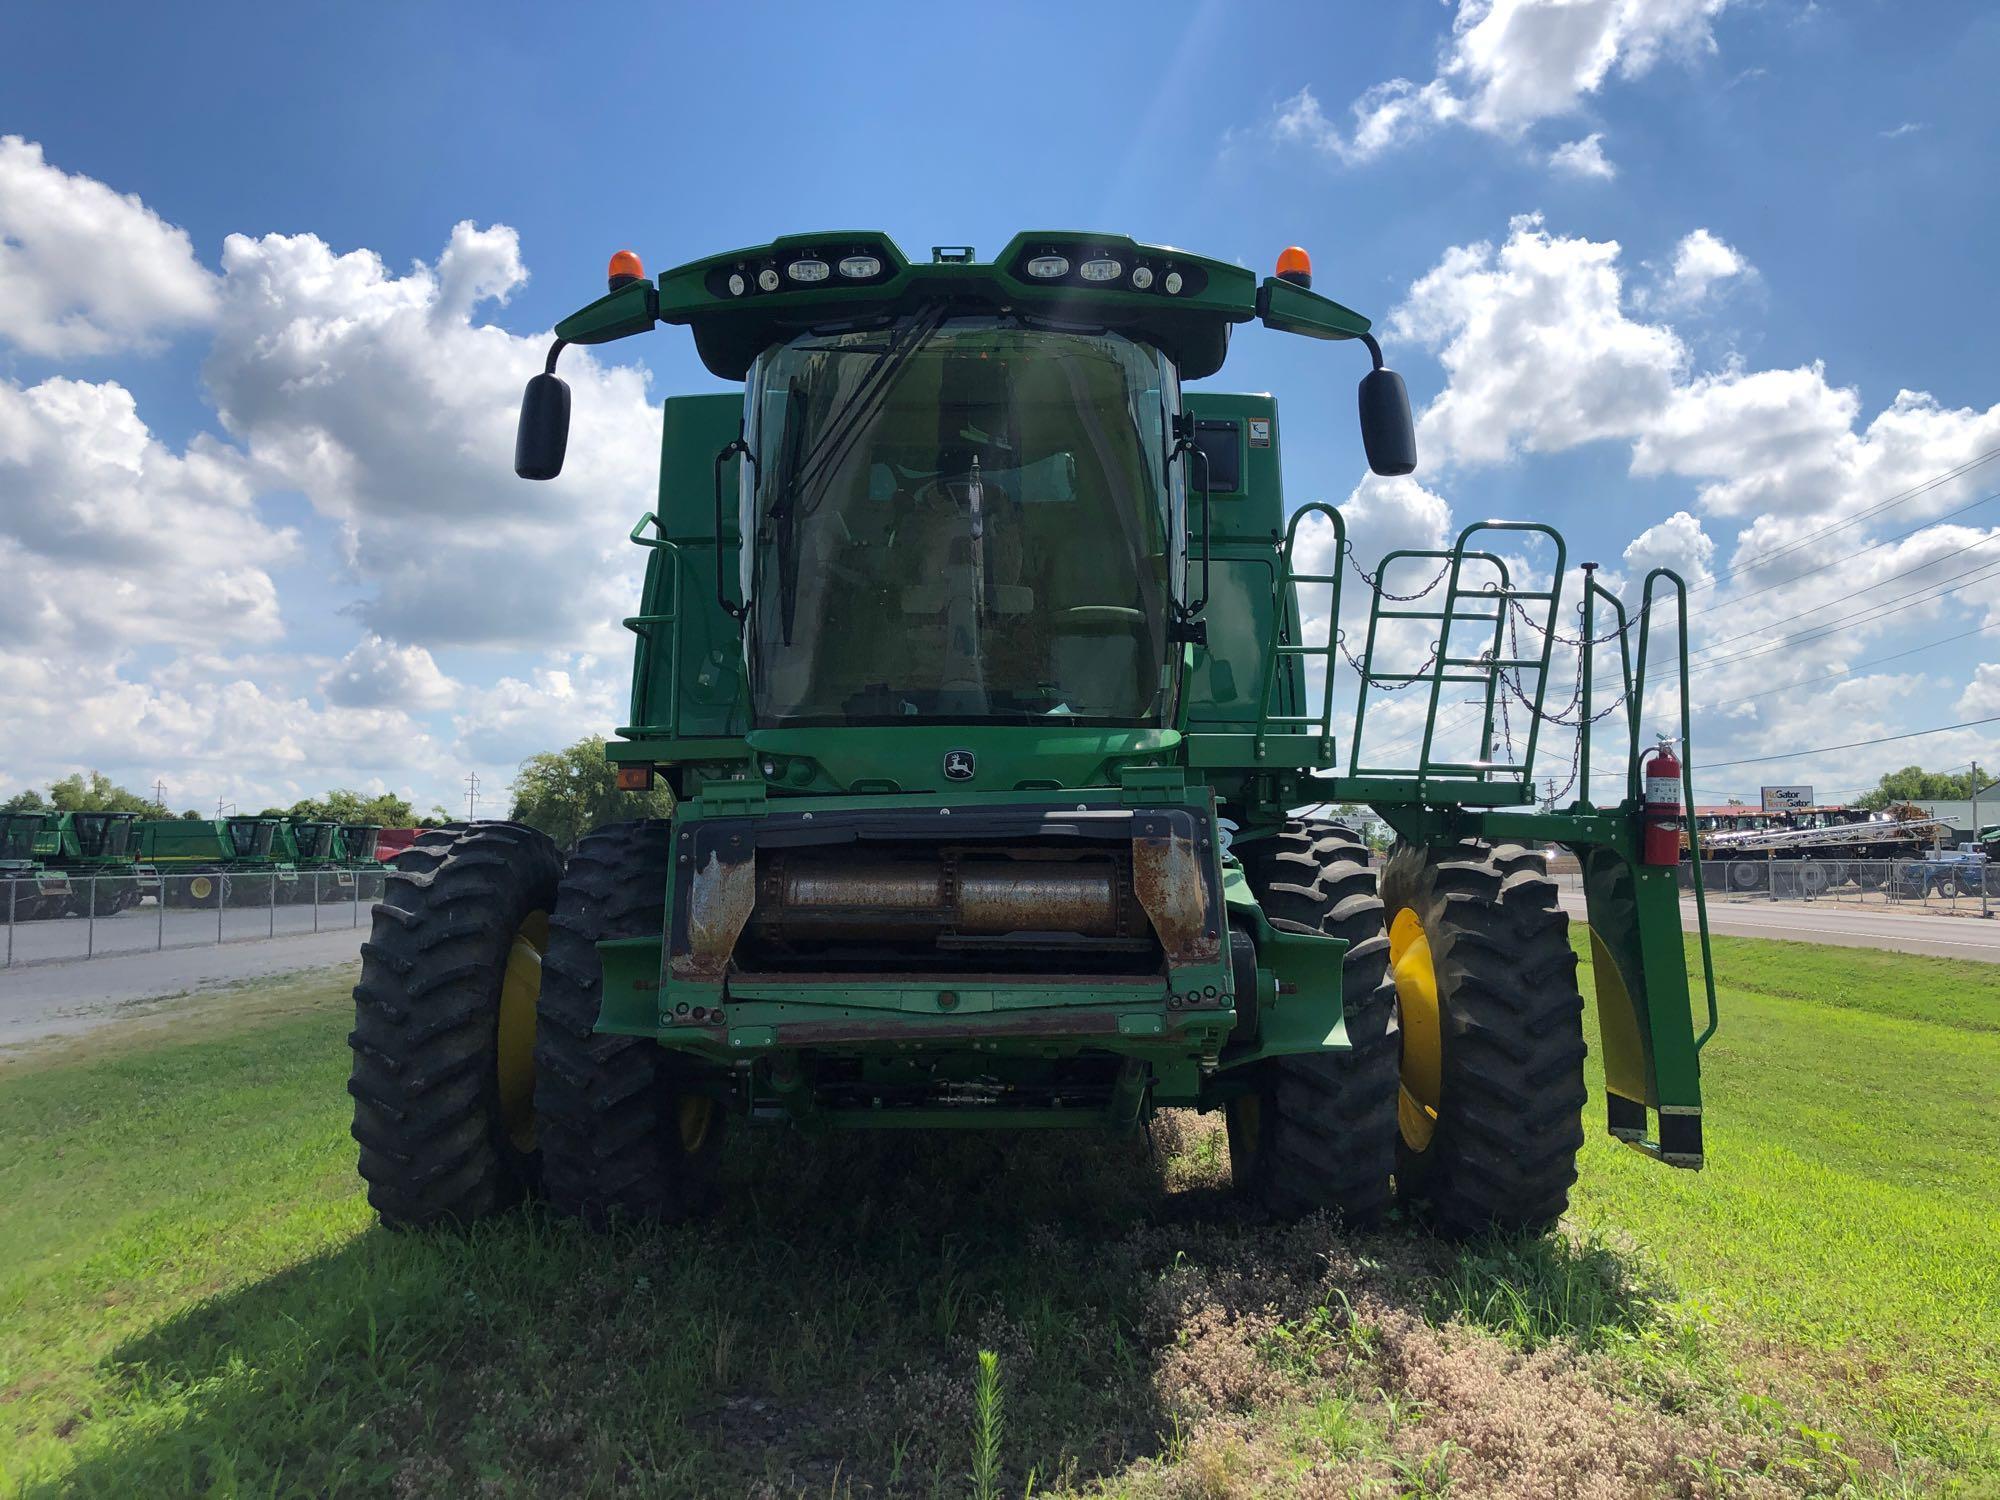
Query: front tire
x: 623, y: 1134
x: 1318, y: 1131
x: 1491, y: 1114
x: 443, y: 1072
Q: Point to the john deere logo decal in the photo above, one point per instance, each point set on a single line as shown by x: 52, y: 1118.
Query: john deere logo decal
x: 959, y: 765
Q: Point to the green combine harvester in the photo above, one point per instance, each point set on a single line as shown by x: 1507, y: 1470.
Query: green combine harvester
x: 241, y: 861
x: 988, y: 667
x: 328, y: 856
x: 29, y: 889
x: 97, y: 851
x: 357, y: 845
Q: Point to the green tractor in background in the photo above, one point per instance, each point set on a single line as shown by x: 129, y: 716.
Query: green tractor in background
x: 239, y: 861
x: 29, y: 889
x: 988, y: 668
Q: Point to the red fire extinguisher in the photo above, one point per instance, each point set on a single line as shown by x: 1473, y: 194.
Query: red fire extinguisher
x: 1661, y: 806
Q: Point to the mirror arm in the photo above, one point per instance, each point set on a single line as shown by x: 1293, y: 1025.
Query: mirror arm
x: 1190, y: 627
x: 1374, y: 349
x: 556, y: 349
x: 736, y: 445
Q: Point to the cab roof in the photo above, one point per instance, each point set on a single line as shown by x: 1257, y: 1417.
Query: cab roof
x: 740, y: 303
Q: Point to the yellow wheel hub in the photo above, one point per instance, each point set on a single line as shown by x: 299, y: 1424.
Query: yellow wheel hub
x: 695, y: 1115
x: 1417, y: 1012
x: 514, y: 1049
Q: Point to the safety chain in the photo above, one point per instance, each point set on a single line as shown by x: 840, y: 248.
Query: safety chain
x: 1373, y: 580
x: 1369, y: 679
x: 1573, y: 642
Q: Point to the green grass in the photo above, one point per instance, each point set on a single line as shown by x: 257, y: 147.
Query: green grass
x: 1848, y: 1221
x: 193, y: 1298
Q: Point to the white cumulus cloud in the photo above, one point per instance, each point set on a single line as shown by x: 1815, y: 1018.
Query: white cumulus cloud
x: 1584, y: 158
x: 1509, y: 65
x: 392, y: 408
x: 86, y: 270
x: 381, y: 674
x: 1701, y: 263
x: 108, y: 539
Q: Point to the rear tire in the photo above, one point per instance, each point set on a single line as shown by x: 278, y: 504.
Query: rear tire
x: 429, y: 1110
x: 1500, y: 1151
x: 1318, y: 1132
x: 622, y: 1136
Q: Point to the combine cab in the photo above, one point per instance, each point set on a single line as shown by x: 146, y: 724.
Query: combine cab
x: 29, y: 889
x: 989, y: 670
x: 324, y: 870
x: 97, y: 851
x: 357, y: 845
x: 329, y: 855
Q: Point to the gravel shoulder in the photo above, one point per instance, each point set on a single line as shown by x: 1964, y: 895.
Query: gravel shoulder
x: 47, y: 1000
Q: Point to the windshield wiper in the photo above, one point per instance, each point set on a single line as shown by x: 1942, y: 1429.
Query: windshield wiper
x: 851, y: 417
x: 803, y: 467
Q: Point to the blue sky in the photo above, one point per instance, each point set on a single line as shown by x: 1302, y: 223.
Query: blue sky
x: 336, y: 582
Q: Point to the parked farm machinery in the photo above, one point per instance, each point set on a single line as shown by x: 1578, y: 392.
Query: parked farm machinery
x: 1815, y: 860
x: 239, y: 861
x: 29, y: 888
x: 988, y: 666
x: 329, y: 856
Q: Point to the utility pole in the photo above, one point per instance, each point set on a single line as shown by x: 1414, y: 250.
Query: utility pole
x: 160, y: 795
x: 471, y: 795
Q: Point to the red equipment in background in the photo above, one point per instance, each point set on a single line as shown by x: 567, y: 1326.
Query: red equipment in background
x: 393, y: 841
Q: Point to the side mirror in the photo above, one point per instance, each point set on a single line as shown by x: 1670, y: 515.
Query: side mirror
x: 543, y: 436
x: 1387, y: 432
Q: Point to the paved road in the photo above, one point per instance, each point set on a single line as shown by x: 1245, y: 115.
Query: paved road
x: 1843, y: 926
x: 63, y: 999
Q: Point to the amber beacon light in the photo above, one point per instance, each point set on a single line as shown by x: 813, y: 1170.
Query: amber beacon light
x: 626, y: 269
x: 1295, y: 266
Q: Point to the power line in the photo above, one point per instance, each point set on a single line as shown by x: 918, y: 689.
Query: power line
x: 1901, y: 497
x: 1846, y: 671
x: 1914, y: 734
x: 1849, y: 556
x: 1921, y: 596
x: 1891, y: 578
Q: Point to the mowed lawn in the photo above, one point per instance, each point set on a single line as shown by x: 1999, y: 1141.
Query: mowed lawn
x: 1849, y: 1216
x: 193, y: 1298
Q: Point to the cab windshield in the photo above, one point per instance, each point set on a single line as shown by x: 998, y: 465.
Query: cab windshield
x: 960, y: 519
x: 102, y: 835
x: 251, y: 838
x: 17, y: 837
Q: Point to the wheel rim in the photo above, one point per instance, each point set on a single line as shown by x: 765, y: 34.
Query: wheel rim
x: 1417, y: 1014
x: 514, y: 1046
x: 200, y: 888
x: 696, y: 1115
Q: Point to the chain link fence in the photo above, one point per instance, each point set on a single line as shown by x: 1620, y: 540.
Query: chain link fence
x: 1939, y: 884
x: 49, y: 917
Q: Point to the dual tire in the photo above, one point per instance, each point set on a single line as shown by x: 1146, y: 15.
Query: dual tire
x: 478, y: 1079
x: 1462, y: 1093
